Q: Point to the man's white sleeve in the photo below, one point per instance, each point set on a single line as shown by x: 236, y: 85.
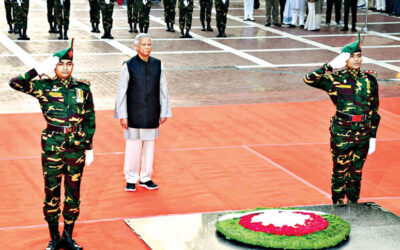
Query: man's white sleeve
x: 164, y: 97
x: 121, y: 109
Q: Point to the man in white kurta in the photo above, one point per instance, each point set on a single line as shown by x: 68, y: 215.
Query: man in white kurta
x: 298, y: 8
x: 139, y: 141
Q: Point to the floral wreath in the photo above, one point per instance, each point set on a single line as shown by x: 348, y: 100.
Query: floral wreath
x: 287, y: 228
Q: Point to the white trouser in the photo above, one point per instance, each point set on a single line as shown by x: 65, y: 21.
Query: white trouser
x: 295, y: 13
x: 248, y: 9
x: 380, y: 4
x: 133, y: 155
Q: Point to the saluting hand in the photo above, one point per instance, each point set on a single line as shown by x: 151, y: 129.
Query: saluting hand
x: 340, y: 61
x: 124, y: 123
x: 162, y: 120
x: 372, y: 145
x: 89, y: 157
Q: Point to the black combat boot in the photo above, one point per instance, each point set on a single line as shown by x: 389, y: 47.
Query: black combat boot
x: 97, y: 28
x: 172, y: 27
x: 16, y: 30
x: 109, y: 34
x: 67, y: 241
x: 187, y: 35
x: 51, y: 30
x: 203, y: 26
x: 219, y: 32
x: 65, y: 34
x: 209, y: 27
x: 93, y: 28
x: 168, y: 27
x: 25, y: 36
x: 223, y: 32
x: 182, y: 34
x: 141, y: 29
x: 60, y: 33
x: 105, y: 35
x: 11, y: 30
x: 130, y: 28
x: 55, y: 241
x: 146, y: 29
x: 135, y: 28
x: 55, y: 27
x: 20, y: 34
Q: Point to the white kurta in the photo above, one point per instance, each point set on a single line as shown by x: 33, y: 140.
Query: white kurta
x: 313, y: 20
x: 121, y: 109
x: 248, y: 9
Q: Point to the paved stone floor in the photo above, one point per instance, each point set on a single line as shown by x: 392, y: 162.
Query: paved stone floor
x: 254, y: 64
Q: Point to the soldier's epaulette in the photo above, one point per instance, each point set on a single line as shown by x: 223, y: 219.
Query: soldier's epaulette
x: 371, y: 72
x: 87, y: 82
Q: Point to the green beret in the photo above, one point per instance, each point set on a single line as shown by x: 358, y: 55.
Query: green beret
x: 66, y: 53
x: 353, y: 47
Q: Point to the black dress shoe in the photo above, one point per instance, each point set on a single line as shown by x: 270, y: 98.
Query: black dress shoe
x: 277, y: 24
x: 292, y: 26
x: 345, y: 29
x: 301, y: 26
x: 267, y: 24
x: 353, y: 29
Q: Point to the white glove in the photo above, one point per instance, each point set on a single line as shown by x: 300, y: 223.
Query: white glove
x: 340, y: 61
x: 224, y: 1
x: 372, y: 145
x: 186, y: 2
x: 48, y: 66
x: 19, y: 2
x: 107, y: 1
x: 144, y: 2
x: 89, y: 157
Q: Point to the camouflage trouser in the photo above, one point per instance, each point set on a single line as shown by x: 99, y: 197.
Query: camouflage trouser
x: 107, y: 13
x: 50, y: 11
x: 169, y: 11
x: 94, y: 11
x: 349, y: 147
x: 57, y: 163
x: 9, y: 11
x: 272, y: 5
x: 144, y: 14
x: 205, y: 10
x: 133, y: 7
x: 222, y: 12
x: 22, y: 14
x: 185, y: 15
x: 62, y: 13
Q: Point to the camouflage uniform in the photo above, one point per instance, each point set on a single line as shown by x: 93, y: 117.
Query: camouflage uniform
x: 21, y: 19
x: 63, y: 103
x: 222, y: 12
x: 353, y: 93
x: 169, y: 11
x: 107, y: 13
x: 50, y: 11
x: 94, y: 11
x: 144, y: 15
x: 205, y: 10
x: 9, y: 11
x: 61, y: 13
x: 185, y: 14
x: 133, y: 10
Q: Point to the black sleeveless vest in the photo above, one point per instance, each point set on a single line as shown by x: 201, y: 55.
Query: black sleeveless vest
x: 143, y: 94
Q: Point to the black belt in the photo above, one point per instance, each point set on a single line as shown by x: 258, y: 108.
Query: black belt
x: 352, y: 118
x: 64, y: 129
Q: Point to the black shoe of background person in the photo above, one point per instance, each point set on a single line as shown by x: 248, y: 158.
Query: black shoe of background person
x: 168, y: 27
x: 65, y: 34
x: 267, y: 24
x: 209, y: 27
x: 16, y: 30
x: 148, y: 184
x: 292, y: 26
x: 60, y: 33
x: 182, y: 34
x: 135, y: 28
x: 172, y: 27
x: 55, y: 28
x: 130, y: 187
x: 11, y: 30
x: 345, y: 28
x: 277, y: 24
x: 219, y: 32
x: 93, y: 28
x: 109, y: 34
x: 187, y: 35
x: 203, y: 26
x: 223, y: 32
x: 301, y: 26
x: 353, y: 29
x: 130, y: 28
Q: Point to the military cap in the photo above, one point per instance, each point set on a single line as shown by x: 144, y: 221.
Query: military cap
x: 353, y: 47
x: 66, y: 53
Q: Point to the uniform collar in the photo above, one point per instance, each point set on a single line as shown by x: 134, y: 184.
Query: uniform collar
x: 354, y: 73
x: 66, y: 82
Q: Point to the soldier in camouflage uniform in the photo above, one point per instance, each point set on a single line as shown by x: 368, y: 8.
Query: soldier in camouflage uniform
x: 50, y: 16
x: 144, y: 15
x: 9, y: 14
x: 95, y: 15
x: 221, y: 7
x: 62, y: 11
x: 353, y: 128
x: 107, y: 9
x: 68, y: 109
x: 14, y: 4
x: 185, y: 17
x: 22, y: 18
x: 205, y: 14
x: 133, y: 14
x: 169, y: 14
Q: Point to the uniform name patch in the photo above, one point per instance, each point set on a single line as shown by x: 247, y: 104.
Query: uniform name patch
x: 344, y: 86
x: 55, y: 94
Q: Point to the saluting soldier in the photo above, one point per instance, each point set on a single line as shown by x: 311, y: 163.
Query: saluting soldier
x: 353, y: 127
x: 169, y: 14
x: 62, y: 11
x: 107, y: 9
x: 22, y: 18
x: 50, y: 16
x: 67, y: 107
x: 221, y: 7
x: 133, y: 14
x: 9, y: 14
x: 205, y: 14
x: 185, y: 17
x: 144, y: 15
x: 95, y: 15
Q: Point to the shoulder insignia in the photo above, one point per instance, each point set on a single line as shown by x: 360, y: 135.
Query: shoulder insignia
x: 370, y: 72
x: 87, y: 82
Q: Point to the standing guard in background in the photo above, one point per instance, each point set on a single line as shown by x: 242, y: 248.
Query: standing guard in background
x: 347, y: 5
x: 62, y: 11
x: 353, y: 128
x: 169, y: 14
x: 107, y: 9
x: 22, y: 18
x: 205, y: 14
x: 14, y: 4
x: 133, y: 14
x: 144, y: 15
x: 95, y: 15
x: 221, y: 7
x: 9, y: 14
x: 50, y: 16
x: 185, y: 17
